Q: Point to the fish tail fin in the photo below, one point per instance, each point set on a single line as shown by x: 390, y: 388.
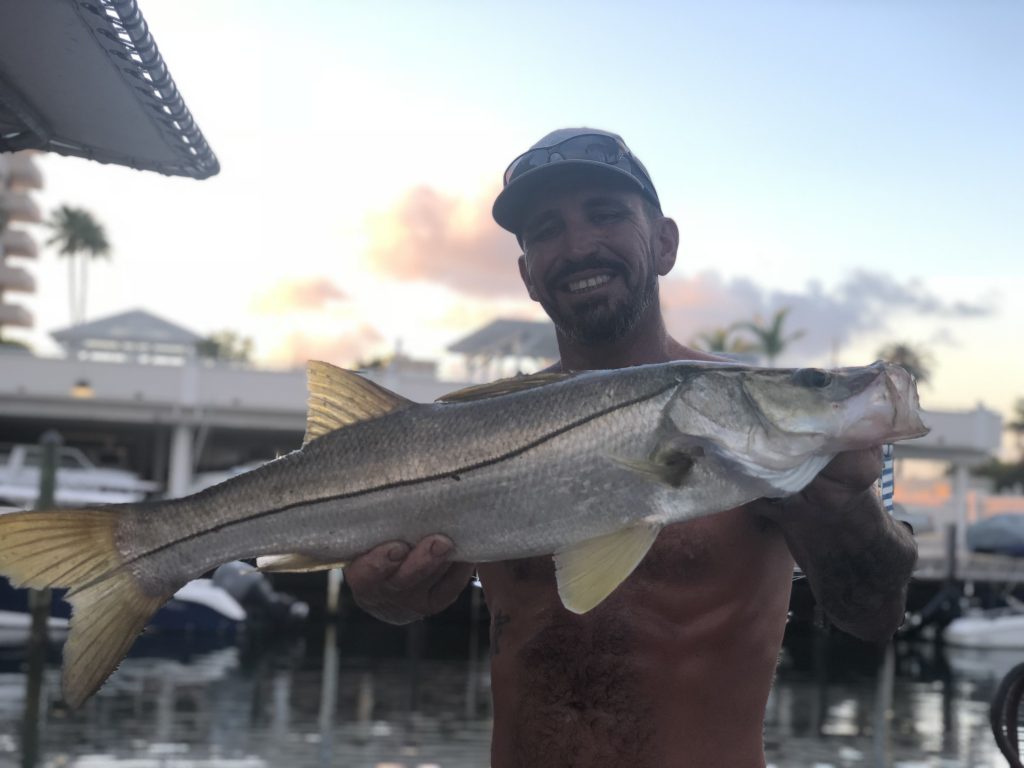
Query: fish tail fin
x: 76, y: 548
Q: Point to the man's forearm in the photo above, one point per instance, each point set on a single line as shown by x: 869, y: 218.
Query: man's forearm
x: 857, y: 558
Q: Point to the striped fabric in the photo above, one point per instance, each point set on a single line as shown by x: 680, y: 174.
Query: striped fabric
x: 887, y: 482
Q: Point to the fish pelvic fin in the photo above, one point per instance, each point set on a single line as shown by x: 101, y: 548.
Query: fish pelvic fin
x: 76, y: 549
x: 295, y: 563
x: 588, y: 572
x: 338, y: 398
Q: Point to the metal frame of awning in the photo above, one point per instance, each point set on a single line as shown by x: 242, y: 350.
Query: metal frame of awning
x: 137, y: 81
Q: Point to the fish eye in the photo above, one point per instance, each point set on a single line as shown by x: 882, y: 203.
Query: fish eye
x: 812, y: 377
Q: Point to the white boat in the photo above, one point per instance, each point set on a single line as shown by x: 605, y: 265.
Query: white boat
x: 986, y: 631
x: 199, y: 606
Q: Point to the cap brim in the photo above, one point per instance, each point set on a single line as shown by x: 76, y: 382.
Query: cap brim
x: 508, y: 205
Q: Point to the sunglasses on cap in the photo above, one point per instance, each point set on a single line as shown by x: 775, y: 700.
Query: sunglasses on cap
x: 590, y: 147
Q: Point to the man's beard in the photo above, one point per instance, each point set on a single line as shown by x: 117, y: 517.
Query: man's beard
x: 599, y: 322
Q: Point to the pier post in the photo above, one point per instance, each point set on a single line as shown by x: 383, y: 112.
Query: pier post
x: 39, y: 606
x: 179, y: 474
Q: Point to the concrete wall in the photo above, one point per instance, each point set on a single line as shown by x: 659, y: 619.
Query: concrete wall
x: 180, y: 404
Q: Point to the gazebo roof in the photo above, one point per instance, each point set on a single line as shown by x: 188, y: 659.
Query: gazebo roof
x: 510, y: 338
x: 86, y: 79
x: 134, y: 327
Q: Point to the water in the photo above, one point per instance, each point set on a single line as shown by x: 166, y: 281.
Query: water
x: 404, y: 698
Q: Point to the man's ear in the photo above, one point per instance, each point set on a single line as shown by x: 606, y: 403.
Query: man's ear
x: 524, y: 273
x: 667, y: 245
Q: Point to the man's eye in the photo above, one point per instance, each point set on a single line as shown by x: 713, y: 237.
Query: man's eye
x: 541, y: 233
x: 602, y: 217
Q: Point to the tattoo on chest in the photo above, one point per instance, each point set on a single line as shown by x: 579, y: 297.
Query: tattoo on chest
x: 498, y: 623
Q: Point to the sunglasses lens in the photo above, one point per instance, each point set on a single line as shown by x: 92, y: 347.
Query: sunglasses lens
x: 598, y: 149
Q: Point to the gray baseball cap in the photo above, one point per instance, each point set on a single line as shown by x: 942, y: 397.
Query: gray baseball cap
x: 559, y: 150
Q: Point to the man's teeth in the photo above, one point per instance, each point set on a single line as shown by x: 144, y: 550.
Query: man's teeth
x: 581, y: 285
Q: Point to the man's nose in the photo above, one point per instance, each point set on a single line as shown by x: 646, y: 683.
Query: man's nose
x: 581, y: 239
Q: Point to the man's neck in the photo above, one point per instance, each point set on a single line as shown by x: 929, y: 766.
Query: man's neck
x: 648, y: 343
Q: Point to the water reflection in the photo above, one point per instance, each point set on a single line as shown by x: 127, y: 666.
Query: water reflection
x: 368, y: 695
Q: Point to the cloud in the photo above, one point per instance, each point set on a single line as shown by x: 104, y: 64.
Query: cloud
x: 345, y: 349
x: 881, y: 291
x: 431, y: 237
x: 863, y: 303
x: 313, y: 293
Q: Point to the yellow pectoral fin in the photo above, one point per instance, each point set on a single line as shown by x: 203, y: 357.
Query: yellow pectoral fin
x: 294, y: 564
x: 587, y: 573
x: 669, y: 465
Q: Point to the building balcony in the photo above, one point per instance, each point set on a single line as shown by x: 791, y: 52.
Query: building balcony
x: 16, y: 279
x: 14, y: 242
x: 23, y: 172
x: 20, y: 207
x: 12, y: 314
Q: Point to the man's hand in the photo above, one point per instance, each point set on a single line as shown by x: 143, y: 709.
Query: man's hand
x: 400, y: 585
x: 846, y: 477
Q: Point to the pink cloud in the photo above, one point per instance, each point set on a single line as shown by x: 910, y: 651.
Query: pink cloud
x: 307, y: 294
x: 344, y: 349
x: 451, y: 241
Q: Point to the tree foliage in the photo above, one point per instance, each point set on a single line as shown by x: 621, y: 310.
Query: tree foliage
x: 723, y: 340
x: 917, y: 361
x: 1004, y: 475
x: 78, y: 236
x: 1017, y: 425
x: 226, y: 345
x: 771, y: 339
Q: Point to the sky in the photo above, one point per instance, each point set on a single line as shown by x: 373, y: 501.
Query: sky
x: 858, y: 161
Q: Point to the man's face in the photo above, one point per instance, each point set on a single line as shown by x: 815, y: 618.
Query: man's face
x: 591, y: 257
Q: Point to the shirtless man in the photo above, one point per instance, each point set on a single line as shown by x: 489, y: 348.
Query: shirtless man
x: 674, y: 668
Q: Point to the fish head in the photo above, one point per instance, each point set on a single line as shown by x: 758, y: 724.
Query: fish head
x: 777, y: 418
x: 839, y: 409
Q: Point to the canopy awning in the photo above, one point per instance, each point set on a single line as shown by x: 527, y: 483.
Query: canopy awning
x: 85, y: 78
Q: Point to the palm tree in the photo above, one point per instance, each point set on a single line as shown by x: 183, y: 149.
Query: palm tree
x: 77, y: 235
x: 1017, y: 425
x: 916, y: 361
x: 770, y: 340
x: 722, y: 340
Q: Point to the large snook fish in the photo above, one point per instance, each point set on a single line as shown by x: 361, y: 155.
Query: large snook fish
x: 588, y: 467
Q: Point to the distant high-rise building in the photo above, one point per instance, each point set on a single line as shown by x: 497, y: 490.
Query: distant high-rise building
x: 18, y: 177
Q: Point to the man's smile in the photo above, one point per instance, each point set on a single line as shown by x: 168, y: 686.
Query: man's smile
x: 587, y: 280
x: 580, y: 286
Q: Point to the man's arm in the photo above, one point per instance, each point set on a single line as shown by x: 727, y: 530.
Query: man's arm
x: 399, y: 584
x: 858, y: 560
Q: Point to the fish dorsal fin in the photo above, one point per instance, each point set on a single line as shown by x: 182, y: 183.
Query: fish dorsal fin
x: 503, y: 387
x: 338, y: 398
x: 590, y: 571
x: 294, y: 564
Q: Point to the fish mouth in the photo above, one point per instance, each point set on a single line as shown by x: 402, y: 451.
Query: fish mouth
x: 903, y: 389
x: 887, y: 407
